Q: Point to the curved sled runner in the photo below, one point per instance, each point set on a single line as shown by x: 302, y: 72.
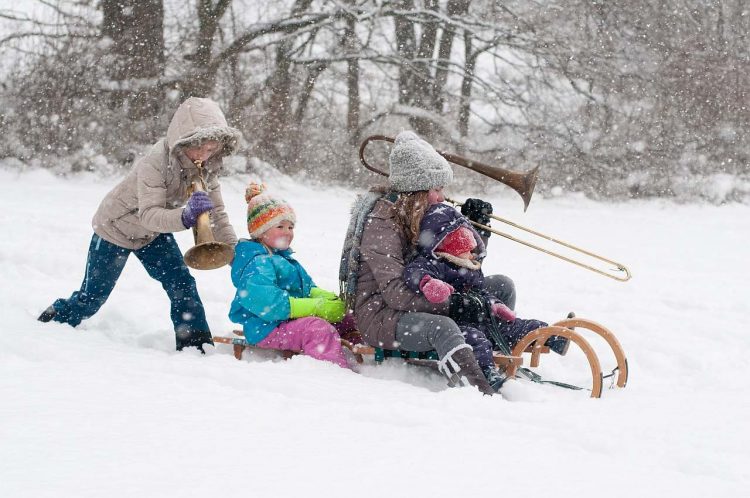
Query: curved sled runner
x: 533, y: 342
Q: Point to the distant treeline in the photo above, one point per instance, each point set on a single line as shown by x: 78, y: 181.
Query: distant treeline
x: 615, y: 99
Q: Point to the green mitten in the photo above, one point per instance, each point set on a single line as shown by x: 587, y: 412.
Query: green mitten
x: 331, y: 310
x: 318, y: 292
x: 303, y: 306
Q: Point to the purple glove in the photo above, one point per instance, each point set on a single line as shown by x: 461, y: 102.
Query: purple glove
x: 502, y: 311
x: 198, y: 203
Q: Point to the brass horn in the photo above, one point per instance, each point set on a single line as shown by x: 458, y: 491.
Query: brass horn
x: 207, y: 253
x: 522, y: 183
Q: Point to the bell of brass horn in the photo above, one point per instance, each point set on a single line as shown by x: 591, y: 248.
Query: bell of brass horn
x: 207, y: 253
x: 522, y: 183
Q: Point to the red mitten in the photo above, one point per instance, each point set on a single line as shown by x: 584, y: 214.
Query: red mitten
x: 503, y: 312
x: 436, y: 291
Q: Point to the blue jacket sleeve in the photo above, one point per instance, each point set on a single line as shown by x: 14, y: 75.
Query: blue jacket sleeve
x: 259, y: 294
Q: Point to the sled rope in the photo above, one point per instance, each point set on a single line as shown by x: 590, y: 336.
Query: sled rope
x: 611, y: 375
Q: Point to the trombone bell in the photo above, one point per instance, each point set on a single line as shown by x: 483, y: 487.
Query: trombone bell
x: 522, y: 183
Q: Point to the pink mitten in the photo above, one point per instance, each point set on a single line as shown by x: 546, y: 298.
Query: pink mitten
x: 436, y: 291
x: 503, y: 312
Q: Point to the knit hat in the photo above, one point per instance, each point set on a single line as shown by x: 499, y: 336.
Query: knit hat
x: 415, y: 165
x: 457, y: 242
x: 265, y: 211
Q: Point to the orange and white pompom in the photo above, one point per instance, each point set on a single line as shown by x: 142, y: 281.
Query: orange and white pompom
x: 254, y: 189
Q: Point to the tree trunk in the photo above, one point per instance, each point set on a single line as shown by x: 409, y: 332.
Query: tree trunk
x: 352, y: 82
x: 276, y: 118
x: 423, y: 83
x: 464, y: 110
x: 136, y: 28
x: 406, y: 47
x: 200, y: 80
x: 454, y: 8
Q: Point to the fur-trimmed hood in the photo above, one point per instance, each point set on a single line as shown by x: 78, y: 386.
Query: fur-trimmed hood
x: 438, y: 221
x: 197, y: 120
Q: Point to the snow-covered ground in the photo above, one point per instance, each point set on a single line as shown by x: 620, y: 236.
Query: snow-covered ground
x: 109, y: 409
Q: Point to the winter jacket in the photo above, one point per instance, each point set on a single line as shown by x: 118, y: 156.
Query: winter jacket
x: 382, y: 297
x: 438, y: 221
x: 264, y: 283
x: 149, y: 200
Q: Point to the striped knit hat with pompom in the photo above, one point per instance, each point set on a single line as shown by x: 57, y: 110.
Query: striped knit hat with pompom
x: 265, y: 211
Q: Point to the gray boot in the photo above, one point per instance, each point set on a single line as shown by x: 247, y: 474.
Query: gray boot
x: 461, y: 368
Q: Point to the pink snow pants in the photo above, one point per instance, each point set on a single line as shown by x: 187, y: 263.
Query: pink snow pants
x: 312, y: 335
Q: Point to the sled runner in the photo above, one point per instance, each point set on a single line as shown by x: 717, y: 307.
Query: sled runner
x: 512, y: 364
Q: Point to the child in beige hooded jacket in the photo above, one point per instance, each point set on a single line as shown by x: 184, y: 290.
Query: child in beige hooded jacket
x: 139, y: 215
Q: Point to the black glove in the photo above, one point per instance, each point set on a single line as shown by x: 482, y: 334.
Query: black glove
x: 478, y: 211
x: 467, y: 308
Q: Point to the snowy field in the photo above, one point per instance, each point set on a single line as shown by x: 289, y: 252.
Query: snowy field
x: 111, y: 410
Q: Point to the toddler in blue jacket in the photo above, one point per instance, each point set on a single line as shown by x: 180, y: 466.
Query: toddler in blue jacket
x: 277, y: 303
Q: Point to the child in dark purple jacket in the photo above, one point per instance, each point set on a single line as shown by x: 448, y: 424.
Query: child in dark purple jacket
x: 448, y: 260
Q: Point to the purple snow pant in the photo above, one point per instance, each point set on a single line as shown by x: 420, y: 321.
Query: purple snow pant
x: 313, y: 336
x: 513, y: 332
x: 479, y: 343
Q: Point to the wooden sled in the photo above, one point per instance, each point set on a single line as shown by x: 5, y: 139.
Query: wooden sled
x: 532, y: 344
x: 239, y: 345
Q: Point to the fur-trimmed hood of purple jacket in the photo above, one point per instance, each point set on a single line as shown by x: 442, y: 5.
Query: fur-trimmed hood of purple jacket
x: 438, y: 221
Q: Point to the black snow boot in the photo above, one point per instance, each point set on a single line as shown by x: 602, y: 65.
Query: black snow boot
x: 495, y: 377
x: 48, y: 315
x: 558, y: 344
x: 462, y: 368
x: 193, y: 338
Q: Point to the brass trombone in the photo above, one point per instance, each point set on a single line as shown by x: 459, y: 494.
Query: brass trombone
x: 523, y: 184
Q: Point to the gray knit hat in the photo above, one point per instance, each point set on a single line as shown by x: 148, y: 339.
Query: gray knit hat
x: 415, y: 165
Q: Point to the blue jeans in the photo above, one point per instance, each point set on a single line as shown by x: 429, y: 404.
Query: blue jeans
x: 163, y: 262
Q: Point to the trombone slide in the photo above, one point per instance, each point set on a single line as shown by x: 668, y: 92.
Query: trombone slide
x: 620, y: 272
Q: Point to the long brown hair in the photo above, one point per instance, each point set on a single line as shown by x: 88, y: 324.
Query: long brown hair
x: 409, y: 208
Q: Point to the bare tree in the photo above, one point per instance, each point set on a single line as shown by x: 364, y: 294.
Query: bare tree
x: 136, y: 66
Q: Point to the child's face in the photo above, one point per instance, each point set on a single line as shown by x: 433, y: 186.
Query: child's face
x: 467, y: 255
x: 203, y: 151
x: 279, y: 237
x: 435, y: 195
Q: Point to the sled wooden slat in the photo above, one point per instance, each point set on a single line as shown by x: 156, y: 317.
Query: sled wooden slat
x: 503, y: 362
